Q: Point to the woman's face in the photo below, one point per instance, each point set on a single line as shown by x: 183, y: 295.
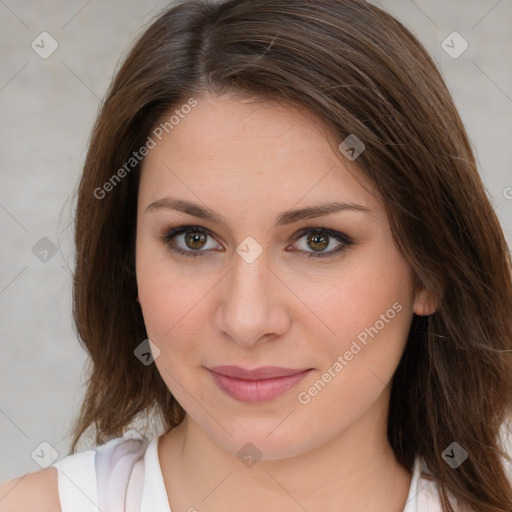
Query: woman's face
x: 253, y: 282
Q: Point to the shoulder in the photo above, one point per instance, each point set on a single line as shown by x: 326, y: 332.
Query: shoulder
x: 89, y: 479
x: 32, y: 491
x: 424, y: 493
x: 71, y: 482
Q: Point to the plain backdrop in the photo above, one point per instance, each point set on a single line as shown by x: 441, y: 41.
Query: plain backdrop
x: 47, y: 109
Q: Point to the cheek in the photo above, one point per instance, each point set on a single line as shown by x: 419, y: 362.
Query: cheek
x: 167, y: 304
x: 370, y: 312
x: 370, y: 300
x: 158, y: 300
x: 172, y: 302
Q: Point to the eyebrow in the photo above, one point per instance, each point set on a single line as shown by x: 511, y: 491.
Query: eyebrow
x: 283, y: 219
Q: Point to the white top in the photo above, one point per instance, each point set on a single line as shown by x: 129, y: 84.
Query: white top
x: 121, y: 475
x: 124, y: 474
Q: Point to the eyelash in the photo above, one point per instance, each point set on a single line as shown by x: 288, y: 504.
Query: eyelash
x: 344, y: 239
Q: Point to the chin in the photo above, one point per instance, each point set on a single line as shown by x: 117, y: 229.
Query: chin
x: 263, y: 441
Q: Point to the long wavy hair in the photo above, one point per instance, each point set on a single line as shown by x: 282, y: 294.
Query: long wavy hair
x: 363, y: 73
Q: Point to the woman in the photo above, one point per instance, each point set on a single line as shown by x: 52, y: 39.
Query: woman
x: 281, y: 196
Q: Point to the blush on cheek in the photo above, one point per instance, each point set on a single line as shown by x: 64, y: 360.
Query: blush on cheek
x: 379, y: 336
x: 171, y: 318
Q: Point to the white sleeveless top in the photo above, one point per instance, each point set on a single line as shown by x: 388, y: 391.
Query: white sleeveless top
x: 124, y: 475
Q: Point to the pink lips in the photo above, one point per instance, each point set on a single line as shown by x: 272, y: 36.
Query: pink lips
x: 258, y: 385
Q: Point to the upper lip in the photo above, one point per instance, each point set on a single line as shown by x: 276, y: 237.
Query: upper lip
x: 264, y: 372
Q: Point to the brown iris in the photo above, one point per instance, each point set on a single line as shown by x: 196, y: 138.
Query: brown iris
x: 194, y: 237
x: 319, y: 240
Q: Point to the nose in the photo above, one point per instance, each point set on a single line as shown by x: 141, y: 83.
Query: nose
x: 251, y: 307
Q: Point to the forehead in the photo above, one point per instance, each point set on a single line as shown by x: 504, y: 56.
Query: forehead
x: 249, y: 149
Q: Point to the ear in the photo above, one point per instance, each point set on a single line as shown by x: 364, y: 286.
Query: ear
x: 424, y: 302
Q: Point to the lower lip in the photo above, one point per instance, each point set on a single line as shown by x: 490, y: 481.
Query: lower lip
x: 256, y: 390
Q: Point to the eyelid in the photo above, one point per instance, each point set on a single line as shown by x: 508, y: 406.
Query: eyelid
x: 171, y: 233
x: 345, y: 241
x: 320, y: 229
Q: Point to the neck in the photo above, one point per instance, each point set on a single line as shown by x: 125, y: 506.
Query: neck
x: 356, y: 470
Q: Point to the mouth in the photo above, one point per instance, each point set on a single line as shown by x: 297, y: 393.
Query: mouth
x: 257, y: 385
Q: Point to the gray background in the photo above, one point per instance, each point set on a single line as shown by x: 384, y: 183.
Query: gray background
x: 47, y: 108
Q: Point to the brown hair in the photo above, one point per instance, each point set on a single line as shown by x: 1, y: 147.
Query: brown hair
x: 361, y: 72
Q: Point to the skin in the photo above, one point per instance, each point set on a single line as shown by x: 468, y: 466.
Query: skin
x: 250, y: 160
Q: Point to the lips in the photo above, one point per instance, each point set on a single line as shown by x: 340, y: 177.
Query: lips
x: 257, y: 385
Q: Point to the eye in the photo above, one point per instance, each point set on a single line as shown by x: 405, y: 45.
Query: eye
x: 318, y: 240
x: 188, y: 240
x: 193, y: 241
